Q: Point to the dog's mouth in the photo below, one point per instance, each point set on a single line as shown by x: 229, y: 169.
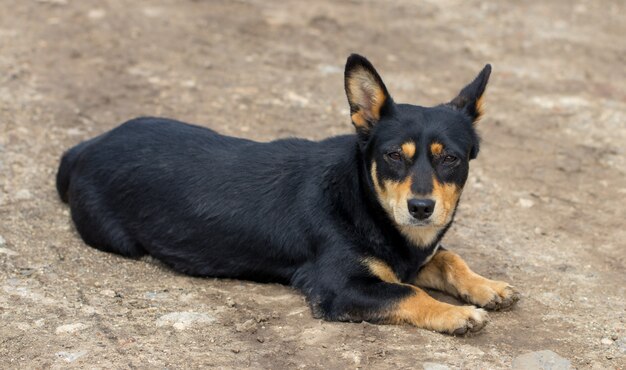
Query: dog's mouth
x: 421, y: 233
x: 421, y: 223
x: 403, y: 219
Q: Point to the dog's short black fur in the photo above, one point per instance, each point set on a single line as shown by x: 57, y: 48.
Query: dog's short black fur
x: 351, y: 221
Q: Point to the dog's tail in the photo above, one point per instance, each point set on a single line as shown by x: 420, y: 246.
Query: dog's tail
x: 63, y: 174
x: 68, y: 161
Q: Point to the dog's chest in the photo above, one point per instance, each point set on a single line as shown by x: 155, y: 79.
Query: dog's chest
x: 407, y: 268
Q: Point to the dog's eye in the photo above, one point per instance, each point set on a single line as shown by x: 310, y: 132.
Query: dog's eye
x: 394, y: 156
x: 449, y: 159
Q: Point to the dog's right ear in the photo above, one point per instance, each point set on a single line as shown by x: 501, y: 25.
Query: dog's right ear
x: 367, y: 94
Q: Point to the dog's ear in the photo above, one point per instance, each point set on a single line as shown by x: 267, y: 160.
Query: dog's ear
x: 470, y: 99
x: 367, y: 94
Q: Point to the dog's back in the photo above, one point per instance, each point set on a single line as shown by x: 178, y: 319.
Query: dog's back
x: 203, y: 203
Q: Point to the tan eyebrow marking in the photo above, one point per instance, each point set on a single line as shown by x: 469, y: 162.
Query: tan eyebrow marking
x: 436, y: 148
x: 408, y: 149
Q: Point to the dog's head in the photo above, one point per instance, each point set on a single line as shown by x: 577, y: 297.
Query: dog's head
x: 417, y: 157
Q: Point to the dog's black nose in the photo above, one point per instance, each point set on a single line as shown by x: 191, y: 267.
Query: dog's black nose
x: 421, y: 208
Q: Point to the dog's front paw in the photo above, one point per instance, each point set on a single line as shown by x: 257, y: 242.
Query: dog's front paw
x: 463, y: 320
x: 426, y: 312
x: 490, y: 294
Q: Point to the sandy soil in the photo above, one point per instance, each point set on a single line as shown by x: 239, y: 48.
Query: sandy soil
x: 543, y: 208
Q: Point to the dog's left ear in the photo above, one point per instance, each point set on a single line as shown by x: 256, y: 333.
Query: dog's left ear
x: 470, y: 99
x: 367, y: 94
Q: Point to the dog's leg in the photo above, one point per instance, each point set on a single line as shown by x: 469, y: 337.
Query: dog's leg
x: 422, y: 310
x: 447, y: 272
x: 390, y: 301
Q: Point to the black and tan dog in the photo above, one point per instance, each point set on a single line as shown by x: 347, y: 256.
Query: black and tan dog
x: 354, y: 222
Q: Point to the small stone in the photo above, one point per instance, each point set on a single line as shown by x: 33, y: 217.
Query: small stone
x: 614, y: 337
x: 8, y: 252
x: 540, y: 360
x: 606, y: 341
x: 70, y: 356
x: 108, y: 293
x: 155, y: 80
x: 23, y: 194
x: 189, y: 83
x: 260, y: 339
x: 152, y: 12
x: 434, y: 366
x: 246, y: 326
x: 370, y: 339
x: 184, y: 320
x: 156, y: 295
x: 525, y: 203
x: 70, y: 328
x: 89, y: 310
x: 621, y: 344
x: 235, y: 350
x: 230, y: 302
x: 55, y: 2
x: 74, y: 132
x: 294, y: 97
x: 328, y: 69
x: 96, y: 14
x: 22, y: 326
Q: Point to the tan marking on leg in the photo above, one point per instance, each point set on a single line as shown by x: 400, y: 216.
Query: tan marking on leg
x: 434, y: 252
x: 447, y: 272
x: 408, y: 149
x: 436, y: 148
x: 381, y: 270
x: 423, y: 311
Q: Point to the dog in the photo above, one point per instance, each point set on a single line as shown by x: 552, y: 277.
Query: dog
x: 354, y: 222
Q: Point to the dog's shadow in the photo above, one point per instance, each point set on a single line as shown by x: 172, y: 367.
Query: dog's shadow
x: 444, y: 297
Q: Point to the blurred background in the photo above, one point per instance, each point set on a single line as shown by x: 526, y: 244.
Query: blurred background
x: 543, y: 207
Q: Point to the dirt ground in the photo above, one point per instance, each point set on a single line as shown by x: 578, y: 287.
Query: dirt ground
x: 543, y: 208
